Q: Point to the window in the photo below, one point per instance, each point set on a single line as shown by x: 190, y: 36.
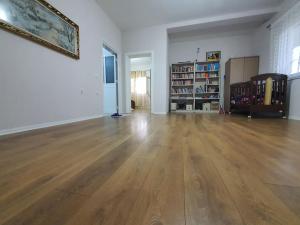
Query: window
x: 141, y: 85
x: 296, y: 60
x: 110, y: 69
x: 285, y: 43
x: 132, y: 85
x: 138, y: 82
x: 3, y: 15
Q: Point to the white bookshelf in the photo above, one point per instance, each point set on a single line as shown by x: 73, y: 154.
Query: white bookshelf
x: 195, y: 84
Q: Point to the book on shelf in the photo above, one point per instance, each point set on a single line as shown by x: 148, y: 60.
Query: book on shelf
x: 203, y: 75
x: 208, y: 67
x: 183, y: 68
x: 182, y: 91
x: 182, y: 82
x: 213, y: 82
x: 206, y: 95
x: 183, y: 76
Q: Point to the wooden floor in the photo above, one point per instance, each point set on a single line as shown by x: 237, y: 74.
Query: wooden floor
x: 153, y: 170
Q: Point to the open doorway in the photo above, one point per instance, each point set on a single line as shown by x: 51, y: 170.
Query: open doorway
x: 110, y: 80
x: 140, y: 83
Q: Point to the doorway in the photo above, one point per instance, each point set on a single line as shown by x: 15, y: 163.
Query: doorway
x: 140, y: 83
x: 110, y: 81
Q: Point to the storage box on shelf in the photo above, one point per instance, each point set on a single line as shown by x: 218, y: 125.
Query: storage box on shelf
x: 193, y: 85
x: 189, y: 107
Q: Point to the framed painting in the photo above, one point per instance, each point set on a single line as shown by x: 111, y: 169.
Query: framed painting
x: 213, y: 56
x: 40, y: 22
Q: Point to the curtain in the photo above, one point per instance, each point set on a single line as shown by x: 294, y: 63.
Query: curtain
x: 139, y: 89
x: 285, y: 42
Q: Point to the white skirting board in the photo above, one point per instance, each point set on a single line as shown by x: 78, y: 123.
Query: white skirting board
x: 45, y: 125
x: 291, y: 117
x: 159, y: 113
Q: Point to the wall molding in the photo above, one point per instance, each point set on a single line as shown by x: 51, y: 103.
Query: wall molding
x: 46, y: 125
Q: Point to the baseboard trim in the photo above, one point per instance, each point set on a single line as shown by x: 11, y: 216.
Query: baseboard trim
x: 160, y: 113
x: 291, y: 117
x: 45, y: 125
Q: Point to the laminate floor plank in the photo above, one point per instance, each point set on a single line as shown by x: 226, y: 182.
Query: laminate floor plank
x: 161, y: 198
x: 289, y: 195
x: 25, y: 195
x: 207, y: 200
x: 272, y: 169
x: 54, y: 163
x: 113, y: 202
x: 51, y: 147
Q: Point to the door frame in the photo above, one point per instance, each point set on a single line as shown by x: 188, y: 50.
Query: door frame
x: 127, y: 79
x: 113, y: 52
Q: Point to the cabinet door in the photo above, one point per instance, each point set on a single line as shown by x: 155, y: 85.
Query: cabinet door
x: 227, y: 87
x: 251, y: 67
x: 237, y: 70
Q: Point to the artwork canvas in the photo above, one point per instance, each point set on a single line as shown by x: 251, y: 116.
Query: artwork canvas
x: 39, y: 21
x: 213, y: 56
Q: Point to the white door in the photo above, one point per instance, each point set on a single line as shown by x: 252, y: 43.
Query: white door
x: 110, y: 85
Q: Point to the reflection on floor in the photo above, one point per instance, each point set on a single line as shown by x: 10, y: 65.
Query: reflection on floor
x: 145, y: 169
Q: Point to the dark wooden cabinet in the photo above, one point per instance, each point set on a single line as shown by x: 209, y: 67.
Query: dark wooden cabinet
x: 238, y: 70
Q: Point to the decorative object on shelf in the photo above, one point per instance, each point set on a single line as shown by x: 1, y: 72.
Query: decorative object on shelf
x: 40, y: 22
x: 201, y: 87
x: 173, y: 106
x: 214, y: 106
x: 206, y: 107
x: 213, y: 56
x: 189, y: 107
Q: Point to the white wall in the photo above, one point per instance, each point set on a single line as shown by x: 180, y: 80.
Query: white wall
x: 233, y: 44
x: 40, y: 86
x: 152, y: 39
x: 294, y: 110
x: 106, y: 52
x: 262, y: 48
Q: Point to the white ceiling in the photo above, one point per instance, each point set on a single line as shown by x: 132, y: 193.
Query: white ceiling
x: 132, y: 14
x: 231, y: 27
x: 212, y: 32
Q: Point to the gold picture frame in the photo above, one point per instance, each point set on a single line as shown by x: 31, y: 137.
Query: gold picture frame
x: 213, y: 56
x: 39, y: 21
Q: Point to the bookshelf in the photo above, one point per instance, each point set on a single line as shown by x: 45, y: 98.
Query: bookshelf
x: 195, y: 87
